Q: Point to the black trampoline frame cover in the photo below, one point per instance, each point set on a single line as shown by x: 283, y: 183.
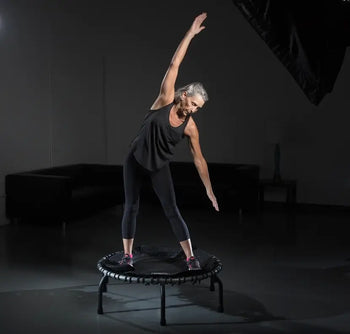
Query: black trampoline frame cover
x: 211, y: 266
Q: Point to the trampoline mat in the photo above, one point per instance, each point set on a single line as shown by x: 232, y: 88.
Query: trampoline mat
x: 153, y: 261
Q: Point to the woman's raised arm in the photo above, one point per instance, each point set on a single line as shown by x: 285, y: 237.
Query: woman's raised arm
x: 167, y: 87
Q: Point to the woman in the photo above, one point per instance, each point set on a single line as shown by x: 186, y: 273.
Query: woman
x: 167, y: 122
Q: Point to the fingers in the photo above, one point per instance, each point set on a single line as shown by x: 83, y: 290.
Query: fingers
x: 213, y: 201
x: 200, y: 18
x: 216, y: 206
x: 203, y: 15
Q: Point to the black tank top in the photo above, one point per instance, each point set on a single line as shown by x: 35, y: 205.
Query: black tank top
x: 155, y: 142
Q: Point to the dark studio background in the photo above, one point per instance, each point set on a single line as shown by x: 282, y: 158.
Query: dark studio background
x: 77, y: 77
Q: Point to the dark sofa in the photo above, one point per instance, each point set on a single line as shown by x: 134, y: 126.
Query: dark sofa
x: 67, y: 192
x: 63, y: 193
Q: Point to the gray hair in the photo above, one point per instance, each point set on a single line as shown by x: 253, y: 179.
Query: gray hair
x: 194, y: 88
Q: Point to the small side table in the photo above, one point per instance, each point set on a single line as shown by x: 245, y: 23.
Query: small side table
x: 289, y: 185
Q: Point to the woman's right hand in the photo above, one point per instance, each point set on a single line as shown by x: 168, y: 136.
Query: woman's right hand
x: 196, y: 25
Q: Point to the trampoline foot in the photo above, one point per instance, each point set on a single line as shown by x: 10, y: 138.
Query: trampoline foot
x: 162, y: 305
x: 101, y: 288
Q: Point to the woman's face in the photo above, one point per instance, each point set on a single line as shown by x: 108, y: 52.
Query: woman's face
x: 190, y: 104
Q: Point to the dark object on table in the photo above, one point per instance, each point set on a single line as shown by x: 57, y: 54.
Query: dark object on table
x: 277, y: 169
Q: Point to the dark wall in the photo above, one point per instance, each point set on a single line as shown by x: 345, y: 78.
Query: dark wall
x: 78, y: 77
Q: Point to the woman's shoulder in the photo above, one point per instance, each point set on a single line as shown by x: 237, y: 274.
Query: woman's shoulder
x: 162, y: 102
x: 191, y: 127
x: 160, y: 107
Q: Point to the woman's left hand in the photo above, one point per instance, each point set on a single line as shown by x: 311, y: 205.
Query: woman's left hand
x: 213, y: 200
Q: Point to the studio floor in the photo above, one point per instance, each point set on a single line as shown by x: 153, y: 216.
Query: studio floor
x: 279, y: 275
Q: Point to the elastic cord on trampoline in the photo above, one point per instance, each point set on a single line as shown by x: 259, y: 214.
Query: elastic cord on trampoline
x: 156, y: 278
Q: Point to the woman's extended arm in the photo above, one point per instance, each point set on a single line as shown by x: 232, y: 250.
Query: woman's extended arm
x: 192, y: 132
x: 167, y: 87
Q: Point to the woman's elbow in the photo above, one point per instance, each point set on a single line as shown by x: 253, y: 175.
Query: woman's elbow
x: 198, y: 161
x: 174, y: 65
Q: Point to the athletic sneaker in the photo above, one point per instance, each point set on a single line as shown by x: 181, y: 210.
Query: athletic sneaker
x: 126, y: 261
x: 193, y: 263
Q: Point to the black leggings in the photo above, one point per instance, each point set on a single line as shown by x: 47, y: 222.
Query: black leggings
x: 162, y: 184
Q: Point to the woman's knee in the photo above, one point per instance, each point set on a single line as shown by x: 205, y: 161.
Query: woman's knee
x: 171, y: 211
x: 131, y: 208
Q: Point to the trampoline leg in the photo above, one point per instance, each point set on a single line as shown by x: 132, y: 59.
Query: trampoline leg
x: 104, y: 287
x: 101, y: 287
x: 212, y: 286
x: 162, y: 305
x: 221, y: 298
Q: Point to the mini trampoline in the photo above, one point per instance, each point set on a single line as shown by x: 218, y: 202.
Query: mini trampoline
x: 161, y: 266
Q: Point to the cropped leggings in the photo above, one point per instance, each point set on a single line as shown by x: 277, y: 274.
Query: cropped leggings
x: 162, y: 183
